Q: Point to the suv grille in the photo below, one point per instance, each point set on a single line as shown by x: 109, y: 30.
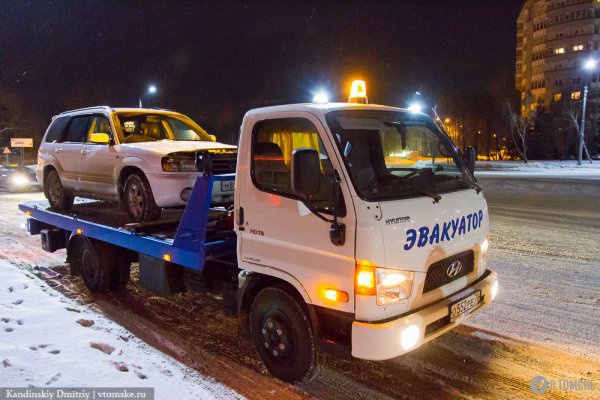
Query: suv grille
x: 437, y: 273
x: 214, y: 162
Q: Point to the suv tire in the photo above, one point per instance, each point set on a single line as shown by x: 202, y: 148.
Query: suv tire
x: 56, y: 194
x: 139, y: 200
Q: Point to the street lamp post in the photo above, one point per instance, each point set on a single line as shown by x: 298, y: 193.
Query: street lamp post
x: 151, y: 90
x: 589, y: 65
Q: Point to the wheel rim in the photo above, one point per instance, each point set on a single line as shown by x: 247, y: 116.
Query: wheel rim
x: 135, y: 199
x: 54, y: 189
x: 278, y: 337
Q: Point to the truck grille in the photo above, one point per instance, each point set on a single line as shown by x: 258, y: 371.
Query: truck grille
x: 437, y: 274
x: 216, y: 162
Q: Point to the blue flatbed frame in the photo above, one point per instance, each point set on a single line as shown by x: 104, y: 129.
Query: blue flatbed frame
x: 188, y: 248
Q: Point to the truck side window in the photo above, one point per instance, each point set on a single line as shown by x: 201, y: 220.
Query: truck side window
x: 56, y: 130
x: 77, y: 132
x: 273, y: 142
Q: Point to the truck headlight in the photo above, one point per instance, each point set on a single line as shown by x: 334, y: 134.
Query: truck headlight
x: 19, y: 180
x: 393, y: 285
x: 178, y: 164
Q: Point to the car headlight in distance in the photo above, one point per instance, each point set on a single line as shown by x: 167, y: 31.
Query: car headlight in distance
x: 178, y: 164
x: 393, y: 285
x: 19, y: 180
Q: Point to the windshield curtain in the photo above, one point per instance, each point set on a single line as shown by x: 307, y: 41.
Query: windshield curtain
x: 393, y: 155
x: 144, y: 127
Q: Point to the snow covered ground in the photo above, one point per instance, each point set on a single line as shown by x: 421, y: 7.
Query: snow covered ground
x: 546, y: 169
x: 49, y: 340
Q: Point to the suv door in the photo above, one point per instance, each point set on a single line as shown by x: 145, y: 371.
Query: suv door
x: 98, y: 160
x: 68, y: 153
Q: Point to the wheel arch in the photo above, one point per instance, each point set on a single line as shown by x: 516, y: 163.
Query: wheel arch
x: 125, y: 173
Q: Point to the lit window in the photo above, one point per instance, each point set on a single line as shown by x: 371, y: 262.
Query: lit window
x: 579, y: 47
x: 560, y: 50
x: 557, y: 97
x: 575, y: 95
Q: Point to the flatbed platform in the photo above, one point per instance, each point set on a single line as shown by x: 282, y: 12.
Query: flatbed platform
x: 185, y: 237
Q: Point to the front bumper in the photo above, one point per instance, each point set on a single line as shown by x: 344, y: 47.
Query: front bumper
x: 382, y: 341
x: 167, y: 189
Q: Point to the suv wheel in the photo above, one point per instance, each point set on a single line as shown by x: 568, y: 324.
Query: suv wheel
x: 139, y: 200
x: 55, y: 193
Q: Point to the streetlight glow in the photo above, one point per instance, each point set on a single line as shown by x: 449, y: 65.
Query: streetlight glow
x: 415, y: 108
x: 151, y: 89
x: 590, y: 64
x: 320, y: 98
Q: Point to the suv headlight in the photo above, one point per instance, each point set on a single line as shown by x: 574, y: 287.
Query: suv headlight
x: 393, y: 285
x: 178, y: 164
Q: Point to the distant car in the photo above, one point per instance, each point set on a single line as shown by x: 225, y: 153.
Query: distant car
x: 18, y: 179
x: 146, y: 159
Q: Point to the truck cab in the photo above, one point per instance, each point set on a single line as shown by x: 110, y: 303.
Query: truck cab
x: 371, y: 221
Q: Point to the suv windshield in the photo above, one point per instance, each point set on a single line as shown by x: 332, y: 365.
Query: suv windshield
x: 144, y: 127
x: 392, y: 155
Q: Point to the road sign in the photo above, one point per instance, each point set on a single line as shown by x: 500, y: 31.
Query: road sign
x: 21, y: 142
x: 6, y: 151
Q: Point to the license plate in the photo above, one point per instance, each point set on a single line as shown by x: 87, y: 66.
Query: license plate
x: 227, y: 186
x: 465, y: 306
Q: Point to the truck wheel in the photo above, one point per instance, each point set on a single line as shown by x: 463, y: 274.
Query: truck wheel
x: 139, y: 199
x: 93, y: 264
x: 283, y: 336
x: 55, y: 193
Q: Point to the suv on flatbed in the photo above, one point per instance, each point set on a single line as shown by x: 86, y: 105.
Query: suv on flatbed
x: 146, y: 159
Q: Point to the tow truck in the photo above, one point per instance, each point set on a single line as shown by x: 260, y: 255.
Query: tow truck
x: 356, y: 230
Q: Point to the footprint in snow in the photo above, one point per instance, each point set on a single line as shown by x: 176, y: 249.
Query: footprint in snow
x: 103, y: 347
x: 9, y: 329
x: 20, y: 321
x: 17, y: 302
x: 73, y: 309
x: 121, y: 366
x: 53, y: 379
x: 5, y: 363
x: 140, y: 375
x: 5, y: 320
x: 85, y: 322
x: 54, y: 352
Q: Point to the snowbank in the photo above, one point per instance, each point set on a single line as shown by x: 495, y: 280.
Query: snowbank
x: 546, y: 169
x: 48, y: 340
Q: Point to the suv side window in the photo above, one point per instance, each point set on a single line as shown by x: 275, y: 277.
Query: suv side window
x: 273, y: 142
x: 56, y: 130
x: 99, y: 124
x: 77, y: 132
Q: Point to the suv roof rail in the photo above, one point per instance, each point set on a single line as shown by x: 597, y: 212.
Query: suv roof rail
x: 88, y: 108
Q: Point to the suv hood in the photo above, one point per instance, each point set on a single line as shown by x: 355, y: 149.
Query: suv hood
x: 164, y: 147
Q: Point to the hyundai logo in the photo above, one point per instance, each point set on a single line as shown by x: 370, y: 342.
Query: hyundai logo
x: 454, y: 269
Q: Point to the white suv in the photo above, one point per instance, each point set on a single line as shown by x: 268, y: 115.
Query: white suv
x: 146, y: 159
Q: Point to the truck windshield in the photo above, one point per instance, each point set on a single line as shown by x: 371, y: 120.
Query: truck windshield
x: 144, y: 127
x: 392, y: 155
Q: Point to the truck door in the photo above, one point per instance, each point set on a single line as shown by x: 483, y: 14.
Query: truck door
x: 279, y: 235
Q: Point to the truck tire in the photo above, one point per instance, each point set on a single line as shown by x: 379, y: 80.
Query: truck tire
x: 93, y: 262
x: 56, y: 194
x: 283, y: 337
x: 139, y: 199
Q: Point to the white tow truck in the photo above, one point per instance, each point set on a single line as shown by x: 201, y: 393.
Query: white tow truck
x: 356, y: 230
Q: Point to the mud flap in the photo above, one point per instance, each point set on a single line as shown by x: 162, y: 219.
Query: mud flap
x: 160, y: 277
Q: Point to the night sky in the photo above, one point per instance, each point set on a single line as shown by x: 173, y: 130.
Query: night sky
x: 215, y: 60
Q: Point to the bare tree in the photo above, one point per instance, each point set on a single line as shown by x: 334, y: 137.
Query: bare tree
x: 520, y: 125
x: 569, y: 113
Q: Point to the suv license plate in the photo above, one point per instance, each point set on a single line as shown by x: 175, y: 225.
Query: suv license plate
x: 465, y: 306
x: 227, y: 186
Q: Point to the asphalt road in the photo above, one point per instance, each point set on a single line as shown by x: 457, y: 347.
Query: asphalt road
x: 545, y: 320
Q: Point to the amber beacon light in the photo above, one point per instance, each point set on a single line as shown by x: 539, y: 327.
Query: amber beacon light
x: 358, y: 92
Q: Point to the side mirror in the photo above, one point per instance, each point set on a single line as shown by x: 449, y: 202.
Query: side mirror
x: 213, y: 138
x: 470, y: 157
x: 100, y: 138
x: 306, y: 172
